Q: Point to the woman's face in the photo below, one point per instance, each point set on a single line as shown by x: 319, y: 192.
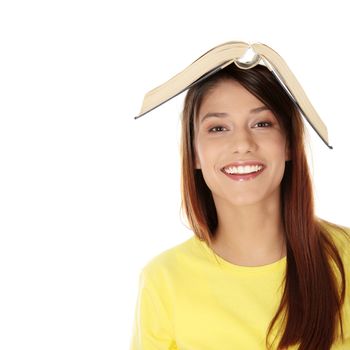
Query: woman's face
x: 240, y: 146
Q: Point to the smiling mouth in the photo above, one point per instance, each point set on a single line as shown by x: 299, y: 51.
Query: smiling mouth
x: 242, y: 169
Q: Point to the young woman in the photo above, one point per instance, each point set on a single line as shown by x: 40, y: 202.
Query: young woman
x: 261, y: 270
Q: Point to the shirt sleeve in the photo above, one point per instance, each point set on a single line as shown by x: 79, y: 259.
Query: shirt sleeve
x: 152, y: 328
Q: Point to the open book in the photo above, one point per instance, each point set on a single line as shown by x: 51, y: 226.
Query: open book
x: 245, y: 56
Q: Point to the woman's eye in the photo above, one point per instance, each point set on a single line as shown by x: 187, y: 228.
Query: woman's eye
x: 217, y: 129
x: 263, y: 124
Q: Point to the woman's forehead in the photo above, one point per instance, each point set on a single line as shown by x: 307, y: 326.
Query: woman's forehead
x: 229, y: 97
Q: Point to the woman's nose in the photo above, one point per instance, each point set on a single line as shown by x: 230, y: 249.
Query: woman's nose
x: 243, y: 141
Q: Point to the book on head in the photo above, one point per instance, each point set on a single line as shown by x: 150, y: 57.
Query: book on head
x: 245, y: 56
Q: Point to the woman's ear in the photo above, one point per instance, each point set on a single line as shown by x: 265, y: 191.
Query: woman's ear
x: 197, y: 163
x: 287, y: 152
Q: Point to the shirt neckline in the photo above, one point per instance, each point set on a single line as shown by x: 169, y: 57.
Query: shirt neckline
x: 276, y: 266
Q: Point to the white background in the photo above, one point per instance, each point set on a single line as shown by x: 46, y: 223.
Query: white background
x: 88, y: 195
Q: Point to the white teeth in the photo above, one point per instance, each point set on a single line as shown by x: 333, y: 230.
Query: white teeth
x: 243, y: 169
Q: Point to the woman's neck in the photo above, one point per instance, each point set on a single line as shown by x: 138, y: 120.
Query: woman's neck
x: 250, y: 235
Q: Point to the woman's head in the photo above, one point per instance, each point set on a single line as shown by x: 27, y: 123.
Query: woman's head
x: 212, y: 146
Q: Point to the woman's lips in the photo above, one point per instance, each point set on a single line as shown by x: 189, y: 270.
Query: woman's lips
x: 243, y: 171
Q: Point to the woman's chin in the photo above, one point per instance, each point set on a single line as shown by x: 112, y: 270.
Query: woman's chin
x: 241, y: 200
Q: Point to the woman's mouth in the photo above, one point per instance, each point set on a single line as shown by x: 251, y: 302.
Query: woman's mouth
x: 243, y: 172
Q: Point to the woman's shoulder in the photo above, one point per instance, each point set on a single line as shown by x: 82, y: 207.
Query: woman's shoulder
x: 340, y: 235
x: 170, y: 259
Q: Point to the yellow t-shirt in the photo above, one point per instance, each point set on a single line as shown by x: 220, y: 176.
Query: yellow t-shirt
x: 192, y: 299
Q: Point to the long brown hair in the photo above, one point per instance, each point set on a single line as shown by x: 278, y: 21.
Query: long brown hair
x: 312, y: 299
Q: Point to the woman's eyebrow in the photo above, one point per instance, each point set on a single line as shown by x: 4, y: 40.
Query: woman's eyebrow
x: 259, y: 109
x: 223, y: 115
x: 217, y: 115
